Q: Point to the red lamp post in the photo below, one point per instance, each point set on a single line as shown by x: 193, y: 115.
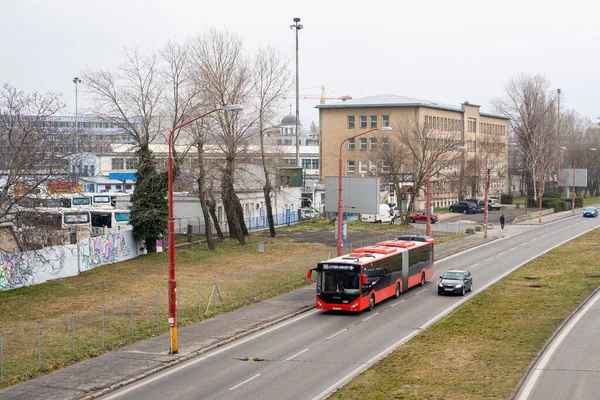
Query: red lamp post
x: 428, y: 206
x: 340, y: 202
x: 540, y: 195
x: 171, y: 232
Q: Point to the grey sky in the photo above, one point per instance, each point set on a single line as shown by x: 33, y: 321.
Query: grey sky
x: 445, y: 51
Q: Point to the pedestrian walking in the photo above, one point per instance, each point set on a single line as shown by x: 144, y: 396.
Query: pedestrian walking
x: 502, y: 221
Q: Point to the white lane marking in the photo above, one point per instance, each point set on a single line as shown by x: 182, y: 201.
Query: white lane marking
x: 499, y: 254
x: 324, y: 394
x: 533, y: 240
x: 424, y: 290
x: 246, y: 381
x: 553, y: 347
x: 395, y: 304
x: 335, y: 334
x: 368, y: 318
x: 296, y: 355
x: 208, y: 355
x: 474, y: 265
x: 488, y: 259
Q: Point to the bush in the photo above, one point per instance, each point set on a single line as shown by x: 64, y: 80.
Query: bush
x: 553, y: 205
x: 506, y: 198
x: 578, y: 201
x: 546, y: 201
x: 531, y: 203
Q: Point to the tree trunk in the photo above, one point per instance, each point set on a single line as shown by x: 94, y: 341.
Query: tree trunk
x: 212, y: 208
x: 267, y: 192
x: 231, y: 204
x: 202, y: 196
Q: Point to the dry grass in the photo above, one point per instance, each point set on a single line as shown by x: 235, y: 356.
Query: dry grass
x: 140, y: 285
x: 482, y: 349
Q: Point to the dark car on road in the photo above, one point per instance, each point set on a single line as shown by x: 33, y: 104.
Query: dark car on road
x: 465, y: 207
x: 455, y: 281
x: 591, y: 212
x: 422, y: 218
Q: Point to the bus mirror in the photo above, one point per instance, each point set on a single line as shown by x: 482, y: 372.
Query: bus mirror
x: 309, y: 274
x: 363, y: 279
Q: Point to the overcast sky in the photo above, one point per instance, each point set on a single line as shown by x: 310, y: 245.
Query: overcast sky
x: 444, y: 51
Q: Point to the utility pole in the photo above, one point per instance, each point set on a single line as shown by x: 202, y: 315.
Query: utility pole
x: 297, y: 26
x: 76, y: 80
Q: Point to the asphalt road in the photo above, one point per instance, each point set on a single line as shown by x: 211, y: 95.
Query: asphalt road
x: 309, y: 356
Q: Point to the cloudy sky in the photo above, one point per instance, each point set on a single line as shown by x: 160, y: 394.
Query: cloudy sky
x: 440, y: 50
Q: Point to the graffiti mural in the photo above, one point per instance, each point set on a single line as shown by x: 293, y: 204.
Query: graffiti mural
x: 15, y: 270
x: 106, y: 249
x: 57, y: 262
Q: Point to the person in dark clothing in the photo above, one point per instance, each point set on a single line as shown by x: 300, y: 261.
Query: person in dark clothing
x: 502, y: 221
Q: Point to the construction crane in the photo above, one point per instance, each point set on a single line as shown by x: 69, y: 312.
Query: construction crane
x: 322, y: 97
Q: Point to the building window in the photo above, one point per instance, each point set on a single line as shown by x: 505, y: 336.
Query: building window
x: 384, y: 143
x: 373, y: 167
x: 363, y: 144
x: 373, y: 143
x: 373, y: 120
x: 362, y: 167
x: 315, y: 163
x: 116, y: 163
x: 131, y: 163
x: 306, y: 164
x: 351, y: 144
x: 385, y: 167
x: 363, y: 121
x: 350, y: 166
x: 351, y: 122
x: 385, y: 120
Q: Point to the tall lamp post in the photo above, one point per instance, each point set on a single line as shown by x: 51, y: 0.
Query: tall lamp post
x: 171, y: 233
x: 340, y: 202
x: 297, y: 26
x: 76, y: 81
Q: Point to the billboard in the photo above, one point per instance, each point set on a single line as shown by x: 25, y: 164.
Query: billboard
x: 359, y: 195
x: 565, y: 177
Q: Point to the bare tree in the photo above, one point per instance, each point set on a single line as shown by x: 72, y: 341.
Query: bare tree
x: 271, y: 81
x: 30, y: 154
x: 429, y: 151
x: 223, y: 73
x: 530, y: 105
x: 132, y: 98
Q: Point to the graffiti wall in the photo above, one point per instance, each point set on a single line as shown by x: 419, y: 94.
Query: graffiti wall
x: 33, y: 267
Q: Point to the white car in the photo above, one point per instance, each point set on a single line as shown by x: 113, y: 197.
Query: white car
x: 309, y: 214
x: 494, y: 204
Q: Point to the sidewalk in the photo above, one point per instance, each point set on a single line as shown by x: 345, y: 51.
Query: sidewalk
x: 94, y: 377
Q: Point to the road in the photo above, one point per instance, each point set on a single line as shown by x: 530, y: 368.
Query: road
x: 570, y: 366
x: 309, y: 356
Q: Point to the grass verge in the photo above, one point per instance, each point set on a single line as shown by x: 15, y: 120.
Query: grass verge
x: 483, y: 348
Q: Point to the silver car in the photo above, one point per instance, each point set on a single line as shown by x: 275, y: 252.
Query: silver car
x: 455, y: 281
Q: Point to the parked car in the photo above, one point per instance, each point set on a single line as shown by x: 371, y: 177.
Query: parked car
x: 309, y: 214
x: 465, y: 207
x: 455, y: 281
x: 422, y: 217
x: 494, y: 204
x: 479, y: 203
x: 591, y: 212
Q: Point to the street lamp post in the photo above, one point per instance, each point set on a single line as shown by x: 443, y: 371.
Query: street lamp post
x: 541, y: 193
x: 297, y: 26
x: 171, y: 231
x: 340, y: 202
x: 76, y: 81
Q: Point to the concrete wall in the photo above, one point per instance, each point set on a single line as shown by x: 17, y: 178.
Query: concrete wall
x: 33, y: 267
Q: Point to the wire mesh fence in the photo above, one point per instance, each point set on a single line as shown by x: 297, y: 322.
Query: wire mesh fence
x: 29, y: 348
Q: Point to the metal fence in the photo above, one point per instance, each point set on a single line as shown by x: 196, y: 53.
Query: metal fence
x: 27, y: 348
x: 256, y: 223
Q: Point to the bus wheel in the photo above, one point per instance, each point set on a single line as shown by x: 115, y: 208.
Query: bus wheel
x: 422, y: 279
x: 397, y: 294
x: 371, y: 302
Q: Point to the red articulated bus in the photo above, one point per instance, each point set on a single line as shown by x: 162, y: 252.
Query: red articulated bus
x: 371, y: 274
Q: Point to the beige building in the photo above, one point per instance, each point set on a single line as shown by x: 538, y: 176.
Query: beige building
x: 477, y: 131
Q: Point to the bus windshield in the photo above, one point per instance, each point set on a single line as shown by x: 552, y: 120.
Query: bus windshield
x: 81, y: 201
x: 339, y: 279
